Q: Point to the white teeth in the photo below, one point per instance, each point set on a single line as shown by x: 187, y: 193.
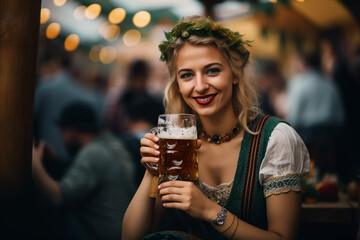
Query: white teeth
x: 205, y: 99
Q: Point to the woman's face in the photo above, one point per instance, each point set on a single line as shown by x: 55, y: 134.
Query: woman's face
x: 205, y: 80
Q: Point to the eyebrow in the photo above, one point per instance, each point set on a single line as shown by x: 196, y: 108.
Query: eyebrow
x: 207, y: 66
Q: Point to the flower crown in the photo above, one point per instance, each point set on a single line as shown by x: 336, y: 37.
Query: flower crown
x: 203, y: 28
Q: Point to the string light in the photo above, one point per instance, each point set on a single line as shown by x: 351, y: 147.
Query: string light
x: 44, y: 15
x: 59, y: 3
x: 93, y: 11
x: 79, y: 13
x: 53, y: 30
x: 131, y: 38
x: 117, y: 15
x: 141, y: 19
x: 94, y: 53
x: 71, y: 42
x: 107, y: 54
x: 111, y: 32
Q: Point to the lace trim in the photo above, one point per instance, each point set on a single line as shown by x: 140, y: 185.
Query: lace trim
x: 283, y: 184
x: 218, y: 194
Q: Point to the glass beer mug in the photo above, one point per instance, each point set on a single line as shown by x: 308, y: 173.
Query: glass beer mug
x: 178, y: 152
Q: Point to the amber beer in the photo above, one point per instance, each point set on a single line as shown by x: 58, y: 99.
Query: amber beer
x: 178, y: 152
x: 178, y: 160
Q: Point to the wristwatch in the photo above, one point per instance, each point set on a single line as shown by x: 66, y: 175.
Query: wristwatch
x: 220, y: 218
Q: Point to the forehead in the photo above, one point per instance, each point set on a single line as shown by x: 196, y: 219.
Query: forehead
x: 190, y: 56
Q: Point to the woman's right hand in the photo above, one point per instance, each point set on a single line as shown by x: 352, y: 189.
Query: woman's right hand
x: 149, y: 151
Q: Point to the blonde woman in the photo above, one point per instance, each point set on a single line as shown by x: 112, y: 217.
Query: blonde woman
x: 250, y: 165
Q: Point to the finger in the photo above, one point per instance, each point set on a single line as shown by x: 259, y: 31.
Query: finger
x: 149, y: 143
x: 178, y: 184
x: 177, y: 205
x: 146, y: 151
x: 172, y: 198
x: 198, y: 143
x: 145, y: 160
x: 171, y: 190
x: 152, y: 137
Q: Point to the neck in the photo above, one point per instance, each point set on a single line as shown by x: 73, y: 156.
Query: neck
x: 219, y: 124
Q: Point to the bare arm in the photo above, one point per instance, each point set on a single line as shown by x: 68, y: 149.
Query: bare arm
x: 283, y: 212
x: 47, y: 185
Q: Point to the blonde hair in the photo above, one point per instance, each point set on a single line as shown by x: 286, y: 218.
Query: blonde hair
x: 244, y: 97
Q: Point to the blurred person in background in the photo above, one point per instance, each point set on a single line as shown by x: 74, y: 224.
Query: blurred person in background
x: 142, y: 113
x: 316, y: 111
x: 137, y: 78
x: 271, y: 88
x: 98, y: 185
x: 336, y: 66
x: 57, y: 87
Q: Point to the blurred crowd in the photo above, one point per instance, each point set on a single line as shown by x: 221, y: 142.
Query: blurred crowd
x: 86, y: 161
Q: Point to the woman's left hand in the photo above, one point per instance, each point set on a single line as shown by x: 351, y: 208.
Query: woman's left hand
x: 186, y: 196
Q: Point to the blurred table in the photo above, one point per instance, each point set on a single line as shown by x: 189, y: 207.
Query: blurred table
x: 343, y: 211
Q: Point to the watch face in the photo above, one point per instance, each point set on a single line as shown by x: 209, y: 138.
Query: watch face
x: 220, y: 218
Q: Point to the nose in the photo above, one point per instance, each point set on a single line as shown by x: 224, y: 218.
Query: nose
x: 201, y: 84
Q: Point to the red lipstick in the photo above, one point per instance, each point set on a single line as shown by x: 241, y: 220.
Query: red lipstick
x: 205, y: 100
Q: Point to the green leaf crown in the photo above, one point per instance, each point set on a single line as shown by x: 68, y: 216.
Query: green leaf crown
x: 203, y: 28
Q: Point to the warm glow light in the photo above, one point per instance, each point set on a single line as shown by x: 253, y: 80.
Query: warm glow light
x: 93, y: 11
x: 300, y: 0
x: 273, y: 1
x: 117, y: 15
x: 79, y: 12
x: 107, y: 54
x: 44, y: 15
x: 111, y: 32
x: 94, y: 53
x: 131, y: 38
x: 59, y: 3
x: 53, y: 30
x: 71, y: 42
x: 141, y: 19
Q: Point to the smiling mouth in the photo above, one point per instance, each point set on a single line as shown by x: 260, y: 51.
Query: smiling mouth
x: 205, y: 100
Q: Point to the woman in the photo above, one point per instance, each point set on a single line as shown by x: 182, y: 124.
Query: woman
x: 245, y: 192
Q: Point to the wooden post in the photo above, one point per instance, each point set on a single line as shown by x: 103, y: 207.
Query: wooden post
x: 19, y: 34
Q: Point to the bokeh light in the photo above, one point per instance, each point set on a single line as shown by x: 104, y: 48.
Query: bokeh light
x: 107, y: 54
x: 59, y: 3
x: 79, y: 13
x: 117, y: 15
x: 111, y: 32
x: 53, y: 30
x: 94, y: 53
x: 44, y: 15
x: 131, y: 38
x: 141, y: 19
x: 93, y: 11
x: 71, y: 42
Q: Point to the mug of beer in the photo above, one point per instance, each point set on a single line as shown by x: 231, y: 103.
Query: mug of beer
x: 178, y: 152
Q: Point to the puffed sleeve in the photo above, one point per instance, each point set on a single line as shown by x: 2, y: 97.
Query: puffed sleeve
x: 285, y: 163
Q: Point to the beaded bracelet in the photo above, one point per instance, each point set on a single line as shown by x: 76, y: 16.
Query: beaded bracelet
x: 230, y: 225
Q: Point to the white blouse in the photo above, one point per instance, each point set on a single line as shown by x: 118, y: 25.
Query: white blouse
x: 285, y: 163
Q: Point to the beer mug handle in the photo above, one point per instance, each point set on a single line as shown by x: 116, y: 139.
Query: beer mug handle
x: 153, y: 168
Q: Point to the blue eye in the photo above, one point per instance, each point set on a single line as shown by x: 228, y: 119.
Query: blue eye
x: 213, y: 71
x: 186, y: 75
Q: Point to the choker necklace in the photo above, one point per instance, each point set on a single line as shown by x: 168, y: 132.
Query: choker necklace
x: 221, y: 139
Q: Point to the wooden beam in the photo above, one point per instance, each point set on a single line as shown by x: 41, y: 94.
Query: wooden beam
x: 19, y: 33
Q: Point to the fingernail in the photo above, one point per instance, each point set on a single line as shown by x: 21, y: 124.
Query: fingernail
x: 157, y: 159
x: 156, y: 146
x: 156, y: 138
x: 159, y: 186
x: 157, y: 152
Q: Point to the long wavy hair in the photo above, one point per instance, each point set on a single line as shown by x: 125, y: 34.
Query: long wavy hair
x: 244, y: 96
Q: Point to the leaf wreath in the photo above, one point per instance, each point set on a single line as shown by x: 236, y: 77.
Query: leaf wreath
x: 204, y: 28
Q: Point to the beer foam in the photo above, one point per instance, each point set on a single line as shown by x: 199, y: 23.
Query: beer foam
x: 179, y: 133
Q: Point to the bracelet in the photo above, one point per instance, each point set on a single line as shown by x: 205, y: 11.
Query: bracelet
x: 230, y: 225
x: 237, y: 222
